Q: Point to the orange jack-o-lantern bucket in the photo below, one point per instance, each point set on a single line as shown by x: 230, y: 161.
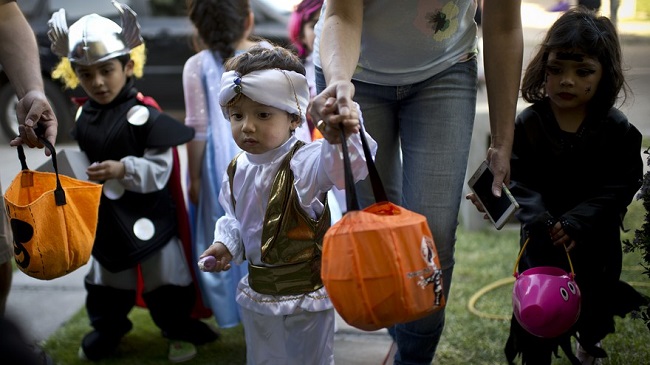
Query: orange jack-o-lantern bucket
x: 380, y: 265
x: 53, y: 219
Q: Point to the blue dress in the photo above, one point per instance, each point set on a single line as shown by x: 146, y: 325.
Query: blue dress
x: 218, y: 289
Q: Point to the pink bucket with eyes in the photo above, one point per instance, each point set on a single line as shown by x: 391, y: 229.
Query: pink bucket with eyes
x: 545, y: 299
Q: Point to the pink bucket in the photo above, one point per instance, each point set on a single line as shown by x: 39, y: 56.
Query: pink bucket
x: 545, y: 300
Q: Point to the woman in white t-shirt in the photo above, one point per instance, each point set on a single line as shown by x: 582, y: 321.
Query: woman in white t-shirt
x: 411, y: 66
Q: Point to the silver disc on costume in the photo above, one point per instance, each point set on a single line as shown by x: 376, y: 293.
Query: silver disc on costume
x: 78, y: 113
x: 144, y: 229
x: 113, y: 190
x: 138, y: 115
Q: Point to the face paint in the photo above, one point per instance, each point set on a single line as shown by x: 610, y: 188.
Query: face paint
x: 587, y: 90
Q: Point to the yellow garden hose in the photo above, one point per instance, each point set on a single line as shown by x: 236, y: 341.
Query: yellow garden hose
x: 471, y: 304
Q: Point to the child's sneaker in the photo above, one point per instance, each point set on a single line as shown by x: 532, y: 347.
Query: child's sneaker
x: 180, y: 351
x: 584, y: 357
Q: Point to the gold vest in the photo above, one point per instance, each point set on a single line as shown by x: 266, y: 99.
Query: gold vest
x: 291, y: 240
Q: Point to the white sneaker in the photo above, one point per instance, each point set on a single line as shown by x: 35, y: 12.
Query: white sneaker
x: 584, y: 357
x: 180, y: 351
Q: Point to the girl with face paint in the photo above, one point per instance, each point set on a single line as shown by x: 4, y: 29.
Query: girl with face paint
x: 575, y: 167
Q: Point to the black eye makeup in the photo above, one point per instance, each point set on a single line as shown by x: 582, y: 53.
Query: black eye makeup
x: 584, y: 72
x: 581, y: 69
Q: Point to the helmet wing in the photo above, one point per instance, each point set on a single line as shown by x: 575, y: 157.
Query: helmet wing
x: 58, y: 33
x: 130, y: 27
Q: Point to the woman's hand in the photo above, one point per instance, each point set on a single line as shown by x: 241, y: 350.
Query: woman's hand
x: 334, y: 109
x: 472, y: 197
x: 33, y: 111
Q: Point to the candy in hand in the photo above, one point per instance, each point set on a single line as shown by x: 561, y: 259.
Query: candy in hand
x: 207, y: 263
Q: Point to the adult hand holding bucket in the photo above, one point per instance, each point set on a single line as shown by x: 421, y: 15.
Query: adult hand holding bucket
x: 545, y: 299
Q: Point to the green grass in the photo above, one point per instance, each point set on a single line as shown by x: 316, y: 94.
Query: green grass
x: 470, y: 337
x: 143, y: 345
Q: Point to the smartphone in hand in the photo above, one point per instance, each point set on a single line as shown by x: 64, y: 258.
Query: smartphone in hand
x: 499, y: 210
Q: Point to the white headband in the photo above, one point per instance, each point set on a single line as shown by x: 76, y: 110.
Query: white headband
x: 281, y: 89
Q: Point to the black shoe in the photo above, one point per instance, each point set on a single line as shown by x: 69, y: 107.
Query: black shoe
x: 194, y: 331
x: 96, y: 346
x: 43, y: 357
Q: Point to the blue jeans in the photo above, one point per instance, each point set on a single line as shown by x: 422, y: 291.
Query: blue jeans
x: 423, y: 132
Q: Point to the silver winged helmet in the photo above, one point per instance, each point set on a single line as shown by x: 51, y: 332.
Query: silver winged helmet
x: 93, y: 38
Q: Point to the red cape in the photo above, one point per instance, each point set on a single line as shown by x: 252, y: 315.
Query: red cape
x: 184, y: 233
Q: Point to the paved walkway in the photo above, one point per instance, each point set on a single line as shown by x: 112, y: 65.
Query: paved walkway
x: 41, y: 307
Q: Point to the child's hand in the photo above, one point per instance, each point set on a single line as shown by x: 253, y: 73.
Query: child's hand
x: 215, y: 259
x: 207, y: 263
x: 472, y: 197
x: 559, y: 237
x: 105, y: 170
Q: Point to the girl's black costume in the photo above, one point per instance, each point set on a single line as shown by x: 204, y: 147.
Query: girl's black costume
x: 104, y: 133
x: 585, y: 180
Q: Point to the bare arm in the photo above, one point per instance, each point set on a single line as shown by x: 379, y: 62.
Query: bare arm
x: 18, y: 51
x: 195, y: 151
x: 196, y: 116
x: 503, y: 47
x: 339, y: 51
x: 341, y: 40
x: 19, y: 57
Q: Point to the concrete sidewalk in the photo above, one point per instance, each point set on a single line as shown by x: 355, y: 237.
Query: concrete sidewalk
x: 41, y: 307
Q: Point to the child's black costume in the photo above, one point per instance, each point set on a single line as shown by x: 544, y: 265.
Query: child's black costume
x: 138, y: 252
x: 128, y: 127
x: 585, y: 180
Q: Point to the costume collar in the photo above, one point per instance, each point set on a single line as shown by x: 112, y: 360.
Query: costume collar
x: 272, y: 156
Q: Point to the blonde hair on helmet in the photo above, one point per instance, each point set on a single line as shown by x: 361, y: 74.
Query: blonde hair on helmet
x: 64, y: 70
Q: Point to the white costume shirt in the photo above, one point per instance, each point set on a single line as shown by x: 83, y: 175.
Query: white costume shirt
x: 317, y: 167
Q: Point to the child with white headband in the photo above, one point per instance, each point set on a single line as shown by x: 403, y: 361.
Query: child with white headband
x: 275, y: 197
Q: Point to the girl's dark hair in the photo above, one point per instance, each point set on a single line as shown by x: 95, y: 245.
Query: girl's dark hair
x: 261, y: 58
x: 219, y: 24
x: 580, y: 29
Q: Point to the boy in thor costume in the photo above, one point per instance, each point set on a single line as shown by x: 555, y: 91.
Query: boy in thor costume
x: 132, y: 146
